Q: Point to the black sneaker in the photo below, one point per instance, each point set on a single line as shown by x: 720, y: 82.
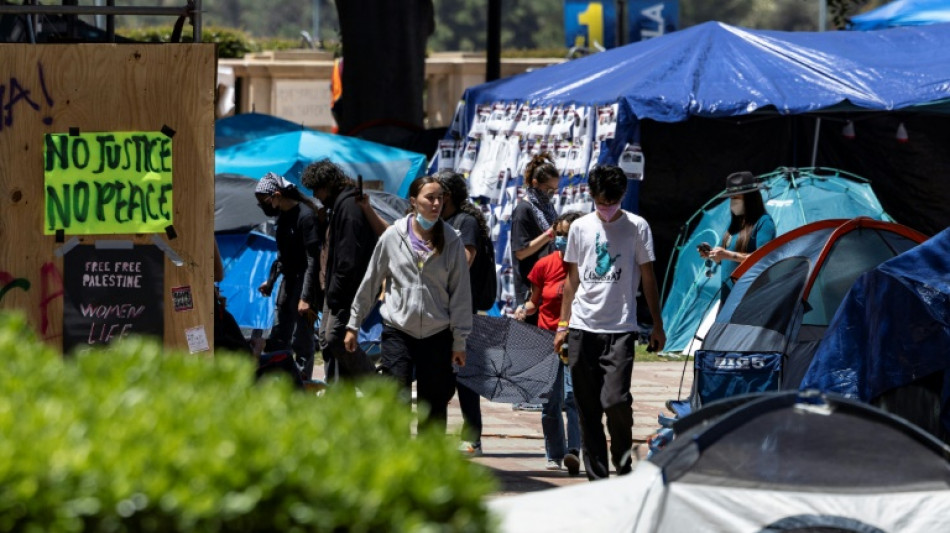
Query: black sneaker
x: 572, y: 463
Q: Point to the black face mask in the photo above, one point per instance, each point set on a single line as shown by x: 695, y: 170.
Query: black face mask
x: 269, y: 210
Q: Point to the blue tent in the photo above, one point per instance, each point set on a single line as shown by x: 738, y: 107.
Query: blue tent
x: 902, y: 13
x: 244, y: 127
x: 793, y: 198
x: 288, y: 154
x: 247, y: 258
x: 892, y: 330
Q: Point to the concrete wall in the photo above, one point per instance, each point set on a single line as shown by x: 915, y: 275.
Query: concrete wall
x: 295, y: 85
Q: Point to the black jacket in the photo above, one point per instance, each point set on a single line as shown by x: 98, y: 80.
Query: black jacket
x: 351, y: 245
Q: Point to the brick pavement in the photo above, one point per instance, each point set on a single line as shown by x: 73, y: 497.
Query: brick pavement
x: 514, y: 446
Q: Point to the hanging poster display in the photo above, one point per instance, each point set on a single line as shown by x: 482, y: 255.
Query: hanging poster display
x: 107, y: 183
x: 112, y: 293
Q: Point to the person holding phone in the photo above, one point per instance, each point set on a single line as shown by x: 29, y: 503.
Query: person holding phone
x: 749, y: 228
x: 609, y: 254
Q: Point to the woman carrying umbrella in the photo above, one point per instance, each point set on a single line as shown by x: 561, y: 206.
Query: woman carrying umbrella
x: 427, y: 308
x: 547, y: 286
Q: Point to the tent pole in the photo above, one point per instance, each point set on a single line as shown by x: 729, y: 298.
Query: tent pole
x: 814, y: 148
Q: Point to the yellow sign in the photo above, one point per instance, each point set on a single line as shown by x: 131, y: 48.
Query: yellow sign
x: 113, y: 182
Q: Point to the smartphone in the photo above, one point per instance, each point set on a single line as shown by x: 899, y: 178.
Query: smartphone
x: 359, y: 186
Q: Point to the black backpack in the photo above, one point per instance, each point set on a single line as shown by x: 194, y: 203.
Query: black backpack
x: 484, y: 277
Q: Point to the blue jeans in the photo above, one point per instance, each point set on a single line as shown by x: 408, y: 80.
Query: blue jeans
x: 552, y: 423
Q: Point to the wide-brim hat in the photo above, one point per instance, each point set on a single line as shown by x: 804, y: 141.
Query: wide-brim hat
x: 741, y: 183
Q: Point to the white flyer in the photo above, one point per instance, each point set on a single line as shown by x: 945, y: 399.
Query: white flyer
x: 197, y: 339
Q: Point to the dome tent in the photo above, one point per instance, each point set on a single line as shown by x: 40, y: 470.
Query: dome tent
x: 793, y: 198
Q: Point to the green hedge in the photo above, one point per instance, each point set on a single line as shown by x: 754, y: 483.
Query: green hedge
x: 133, y: 438
x: 232, y: 44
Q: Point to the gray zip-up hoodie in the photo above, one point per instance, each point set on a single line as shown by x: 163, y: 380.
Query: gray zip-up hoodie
x: 420, y: 300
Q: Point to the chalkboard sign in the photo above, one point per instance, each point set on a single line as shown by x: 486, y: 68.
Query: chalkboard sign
x: 112, y: 293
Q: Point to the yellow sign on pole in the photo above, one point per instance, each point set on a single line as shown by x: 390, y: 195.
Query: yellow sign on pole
x: 107, y: 182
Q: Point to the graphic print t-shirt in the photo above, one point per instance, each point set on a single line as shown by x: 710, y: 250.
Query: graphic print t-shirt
x: 608, y: 257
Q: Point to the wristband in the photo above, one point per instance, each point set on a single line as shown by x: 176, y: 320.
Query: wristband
x: 562, y: 324
x: 561, y: 328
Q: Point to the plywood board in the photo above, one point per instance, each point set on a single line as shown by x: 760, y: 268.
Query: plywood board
x: 53, y: 89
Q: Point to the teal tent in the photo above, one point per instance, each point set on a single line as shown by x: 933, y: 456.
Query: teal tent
x: 793, y: 198
x: 288, y: 154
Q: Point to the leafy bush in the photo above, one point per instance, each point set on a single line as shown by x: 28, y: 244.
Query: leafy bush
x: 132, y: 438
x: 232, y: 44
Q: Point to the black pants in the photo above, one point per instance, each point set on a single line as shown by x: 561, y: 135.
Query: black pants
x: 430, y: 359
x: 602, y: 369
x: 471, y: 407
x: 292, y: 330
x: 339, y: 362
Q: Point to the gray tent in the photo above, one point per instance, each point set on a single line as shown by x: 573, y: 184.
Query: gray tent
x: 765, y: 463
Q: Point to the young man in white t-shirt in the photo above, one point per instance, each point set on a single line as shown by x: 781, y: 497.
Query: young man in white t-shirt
x: 609, y: 253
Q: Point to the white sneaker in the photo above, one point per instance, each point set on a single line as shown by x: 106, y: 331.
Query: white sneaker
x: 552, y: 465
x: 470, y: 449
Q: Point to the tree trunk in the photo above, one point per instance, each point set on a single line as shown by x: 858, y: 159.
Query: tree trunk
x: 384, y: 48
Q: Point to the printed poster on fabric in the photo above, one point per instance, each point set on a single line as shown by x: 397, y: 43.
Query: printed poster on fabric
x: 107, y: 183
x: 112, y: 293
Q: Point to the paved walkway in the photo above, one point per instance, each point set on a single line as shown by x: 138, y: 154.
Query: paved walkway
x: 514, y: 446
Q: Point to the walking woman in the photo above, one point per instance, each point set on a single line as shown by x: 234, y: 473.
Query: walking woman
x: 297, y: 250
x: 750, y: 227
x: 427, y: 305
x: 547, y: 289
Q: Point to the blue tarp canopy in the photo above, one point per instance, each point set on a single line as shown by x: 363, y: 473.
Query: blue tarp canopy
x: 717, y: 70
x: 892, y: 328
x: 903, y: 13
x: 288, y: 154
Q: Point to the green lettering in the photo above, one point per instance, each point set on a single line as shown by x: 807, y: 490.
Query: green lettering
x: 166, y: 153
x: 149, y: 191
x: 103, y: 148
x: 134, y: 205
x: 81, y: 201
x: 128, y: 157
x: 80, y: 162
x: 53, y: 153
x: 119, y: 201
x: 163, y: 199
x: 104, y: 194
x: 61, y: 207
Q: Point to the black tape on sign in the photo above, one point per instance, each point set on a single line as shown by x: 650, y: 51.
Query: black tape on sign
x: 60, y: 235
x: 170, y: 232
x: 73, y: 132
x: 168, y: 131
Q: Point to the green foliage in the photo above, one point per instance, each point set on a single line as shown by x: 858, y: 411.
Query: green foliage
x: 231, y: 43
x: 132, y: 438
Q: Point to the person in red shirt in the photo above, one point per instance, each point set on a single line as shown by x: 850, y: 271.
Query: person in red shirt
x: 547, y: 285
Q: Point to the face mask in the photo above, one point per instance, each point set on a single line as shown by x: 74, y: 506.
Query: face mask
x: 607, y: 212
x: 560, y: 243
x: 424, y: 222
x: 269, y: 210
x: 737, y: 206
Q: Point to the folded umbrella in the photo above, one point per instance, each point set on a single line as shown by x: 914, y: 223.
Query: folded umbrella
x: 508, y: 361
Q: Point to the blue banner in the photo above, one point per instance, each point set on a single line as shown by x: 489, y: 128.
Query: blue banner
x: 586, y: 23
x: 648, y: 19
